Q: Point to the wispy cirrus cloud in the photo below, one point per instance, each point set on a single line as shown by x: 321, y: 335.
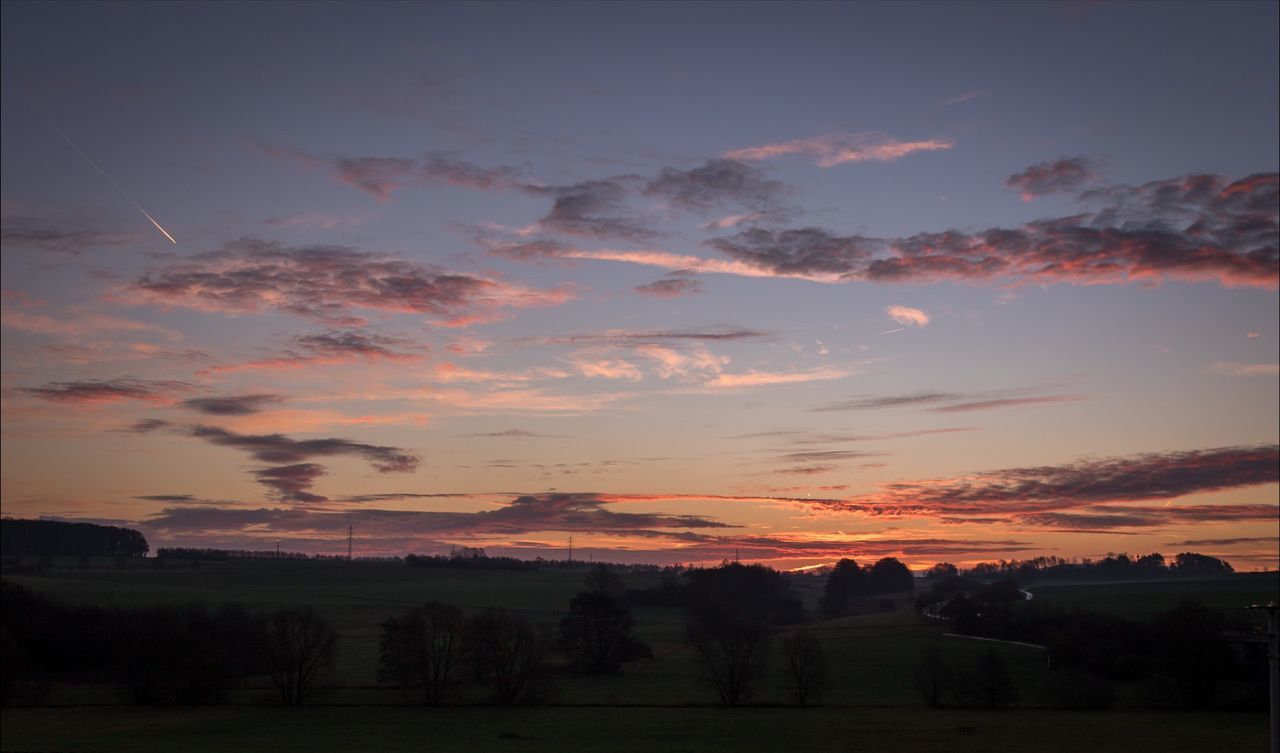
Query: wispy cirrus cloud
x: 110, y: 390
x: 674, y: 285
x: 967, y: 96
x: 839, y: 148
x: 330, y: 348
x: 1231, y: 368
x: 629, y: 337
x: 328, y: 284
x: 769, y: 378
x: 513, y: 433
x: 1059, y: 176
x: 26, y: 233
x: 951, y: 402
x: 381, y: 176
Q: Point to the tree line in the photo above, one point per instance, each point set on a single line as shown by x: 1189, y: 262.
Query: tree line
x: 1111, y: 567
x: 26, y: 538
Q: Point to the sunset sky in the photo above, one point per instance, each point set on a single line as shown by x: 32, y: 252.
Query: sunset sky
x: 945, y: 282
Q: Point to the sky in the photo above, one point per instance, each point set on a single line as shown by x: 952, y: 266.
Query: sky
x: 684, y: 282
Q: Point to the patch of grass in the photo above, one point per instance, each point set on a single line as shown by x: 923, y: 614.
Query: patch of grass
x: 672, y: 730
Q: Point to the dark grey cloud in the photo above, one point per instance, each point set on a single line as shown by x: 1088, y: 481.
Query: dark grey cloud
x: 1192, y: 229
x: 231, y: 405
x: 573, y: 513
x: 109, y: 390
x: 1057, y: 176
x: 291, y: 474
x: 290, y: 482
x: 326, y: 283
x: 804, y: 251
x: 592, y: 208
x: 1091, y: 483
x: 716, y: 183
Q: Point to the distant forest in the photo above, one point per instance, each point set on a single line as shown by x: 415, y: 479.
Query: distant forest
x: 24, y: 538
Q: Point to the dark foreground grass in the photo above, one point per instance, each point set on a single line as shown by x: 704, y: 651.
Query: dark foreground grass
x: 620, y: 730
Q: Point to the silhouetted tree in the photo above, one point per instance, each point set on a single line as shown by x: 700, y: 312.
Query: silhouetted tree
x: 1200, y: 565
x: 734, y: 648
x: 845, y: 581
x: 942, y: 570
x: 932, y: 674
x: 1190, y: 650
x: 753, y: 592
x: 601, y: 579
x: 1081, y: 690
x: 987, y: 685
x: 806, y: 666
x: 597, y: 633
x: 422, y: 647
x: 297, y: 644
x: 508, y: 649
x: 889, y: 575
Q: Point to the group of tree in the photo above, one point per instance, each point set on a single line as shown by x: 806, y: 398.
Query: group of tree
x: 1179, y: 656
x: 425, y: 648
x: 848, y: 581
x: 26, y: 538
x: 160, y: 654
x: 1111, y: 567
x: 985, y: 684
x: 202, y: 554
x: 477, y: 562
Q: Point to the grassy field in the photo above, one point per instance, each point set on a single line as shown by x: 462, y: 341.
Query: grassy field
x: 555, y: 730
x: 873, y: 704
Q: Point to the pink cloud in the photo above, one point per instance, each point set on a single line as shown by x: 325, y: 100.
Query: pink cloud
x: 838, y: 148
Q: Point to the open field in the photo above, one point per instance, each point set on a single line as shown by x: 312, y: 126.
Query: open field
x: 664, y: 702
x: 555, y: 730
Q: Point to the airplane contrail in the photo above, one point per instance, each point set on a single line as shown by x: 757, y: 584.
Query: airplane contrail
x: 112, y: 181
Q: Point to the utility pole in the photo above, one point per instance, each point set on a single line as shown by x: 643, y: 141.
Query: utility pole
x: 571, y: 549
x: 350, y: 531
x: 1273, y: 659
x: 277, y: 550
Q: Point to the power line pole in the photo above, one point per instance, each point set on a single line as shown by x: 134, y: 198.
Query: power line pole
x: 571, y: 549
x: 1273, y: 659
x: 350, y: 531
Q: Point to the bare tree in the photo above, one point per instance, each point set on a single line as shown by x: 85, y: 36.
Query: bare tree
x: 806, y: 665
x: 932, y: 674
x: 297, y: 643
x: 422, y: 648
x: 734, y: 649
x: 509, y: 649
